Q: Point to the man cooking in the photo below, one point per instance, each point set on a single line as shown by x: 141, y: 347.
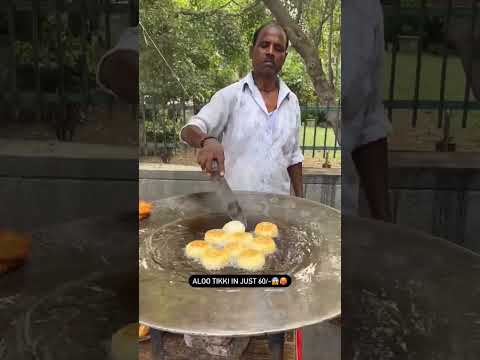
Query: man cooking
x: 251, y: 127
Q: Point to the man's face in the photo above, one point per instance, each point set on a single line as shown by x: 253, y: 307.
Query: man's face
x: 269, y: 52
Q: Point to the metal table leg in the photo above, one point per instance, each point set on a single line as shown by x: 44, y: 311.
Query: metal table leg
x: 276, y: 344
x: 158, y: 353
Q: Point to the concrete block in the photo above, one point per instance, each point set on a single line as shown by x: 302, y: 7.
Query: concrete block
x: 28, y: 204
x: 448, y: 215
x: 325, y: 194
x: 472, y: 223
x: 414, y: 208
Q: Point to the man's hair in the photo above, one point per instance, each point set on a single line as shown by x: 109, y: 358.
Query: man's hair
x: 259, y: 30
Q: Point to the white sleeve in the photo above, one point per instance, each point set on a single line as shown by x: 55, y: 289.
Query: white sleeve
x: 376, y: 125
x: 212, y: 118
x: 128, y: 41
x: 297, y: 156
x: 357, y: 49
x: 363, y: 113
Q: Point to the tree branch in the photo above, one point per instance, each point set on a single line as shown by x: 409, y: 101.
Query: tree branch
x: 299, y: 10
x: 220, y: 10
x: 306, y: 49
x: 317, y: 36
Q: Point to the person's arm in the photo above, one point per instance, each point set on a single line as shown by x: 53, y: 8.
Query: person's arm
x: 210, y: 151
x: 296, y: 178
x: 205, y: 128
x: 371, y: 156
x: 117, y: 71
x: 119, y: 74
x: 193, y: 136
x: 460, y: 37
x: 371, y: 162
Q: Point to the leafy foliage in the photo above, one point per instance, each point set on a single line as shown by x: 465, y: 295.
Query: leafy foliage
x: 203, y: 45
x: 70, y: 44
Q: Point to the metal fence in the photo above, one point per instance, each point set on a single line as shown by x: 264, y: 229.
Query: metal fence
x: 160, y: 126
x: 50, y: 50
x: 63, y: 74
x: 443, y: 27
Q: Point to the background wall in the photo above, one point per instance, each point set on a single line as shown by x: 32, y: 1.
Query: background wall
x: 436, y: 193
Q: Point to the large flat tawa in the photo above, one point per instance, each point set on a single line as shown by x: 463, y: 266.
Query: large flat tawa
x: 309, y: 251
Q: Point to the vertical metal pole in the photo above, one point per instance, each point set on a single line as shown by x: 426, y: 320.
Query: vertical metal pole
x: 444, y: 63
x: 144, y: 128
x: 13, y: 58
x: 83, y: 59
x: 183, y: 122
x: 304, y: 134
x: 155, y: 110
x: 158, y: 352
x: 446, y: 130
x: 61, y: 103
x: 336, y: 129
x: 133, y: 20
x: 419, y: 63
x: 315, y: 132
x: 393, y: 68
x: 175, y: 130
x: 339, y: 103
x: 165, y: 121
x: 325, y: 135
x: 108, y: 39
x: 36, y: 58
x: 468, y: 79
x: 141, y: 130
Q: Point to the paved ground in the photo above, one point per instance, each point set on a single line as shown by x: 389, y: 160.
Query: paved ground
x: 188, y: 157
x: 320, y: 342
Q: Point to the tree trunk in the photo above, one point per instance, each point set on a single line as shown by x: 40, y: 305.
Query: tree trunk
x: 306, y: 49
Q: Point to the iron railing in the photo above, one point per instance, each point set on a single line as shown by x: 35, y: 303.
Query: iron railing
x: 430, y: 18
x: 42, y: 75
x: 160, y: 126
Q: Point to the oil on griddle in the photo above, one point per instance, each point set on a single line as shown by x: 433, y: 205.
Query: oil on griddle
x: 296, y: 246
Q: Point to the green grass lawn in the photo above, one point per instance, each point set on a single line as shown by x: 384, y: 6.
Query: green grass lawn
x: 320, y: 140
x: 430, y: 77
x: 430, y: 81
x: 319, y: 136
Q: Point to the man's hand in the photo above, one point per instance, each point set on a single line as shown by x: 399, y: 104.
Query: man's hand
x: 212, y: 150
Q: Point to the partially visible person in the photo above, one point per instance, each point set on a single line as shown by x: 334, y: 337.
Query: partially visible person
x: 364, y: 127
x: 251, y: 127
x: 466, y: 41
x: 364, y: 124
x: 117, y: 71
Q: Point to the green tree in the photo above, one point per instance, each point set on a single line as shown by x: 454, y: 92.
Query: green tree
x: 192, y: 48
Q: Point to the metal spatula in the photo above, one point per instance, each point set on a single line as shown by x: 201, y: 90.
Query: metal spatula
x: 234, y: 210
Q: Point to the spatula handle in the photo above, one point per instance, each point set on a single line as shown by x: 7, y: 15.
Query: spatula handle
x: 214, y: 165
